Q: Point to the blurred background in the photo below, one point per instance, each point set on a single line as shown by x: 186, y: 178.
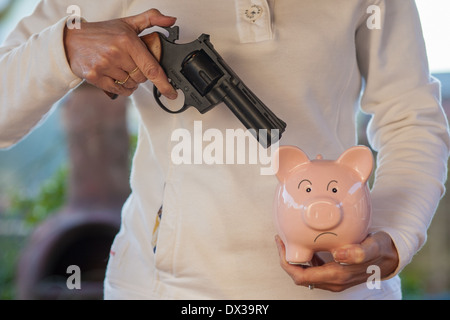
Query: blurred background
x: 61, y: 188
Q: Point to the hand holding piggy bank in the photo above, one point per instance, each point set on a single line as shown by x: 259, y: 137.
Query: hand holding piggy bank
x: 321, y: 205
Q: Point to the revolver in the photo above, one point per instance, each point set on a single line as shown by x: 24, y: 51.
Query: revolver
x: 206, y: 80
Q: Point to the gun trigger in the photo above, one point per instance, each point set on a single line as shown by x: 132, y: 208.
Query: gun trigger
x: 157, y: 96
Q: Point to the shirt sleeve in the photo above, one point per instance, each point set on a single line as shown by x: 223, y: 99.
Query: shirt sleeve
x: 408, y: 128
x: 35, y: 72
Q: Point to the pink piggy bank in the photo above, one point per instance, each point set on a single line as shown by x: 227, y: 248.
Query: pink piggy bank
x: 321, y: 204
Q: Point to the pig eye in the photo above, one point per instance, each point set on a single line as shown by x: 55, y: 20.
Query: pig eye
x: 334, y: 189
x: 308, y: 189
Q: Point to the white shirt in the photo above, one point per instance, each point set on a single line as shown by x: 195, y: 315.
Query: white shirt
x: 308, y: 61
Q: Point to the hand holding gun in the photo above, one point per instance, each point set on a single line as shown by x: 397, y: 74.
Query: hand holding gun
x: 206, y: 80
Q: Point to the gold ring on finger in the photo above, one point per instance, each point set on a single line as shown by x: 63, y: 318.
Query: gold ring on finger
x: 134, y: 71
x: 122, y: 82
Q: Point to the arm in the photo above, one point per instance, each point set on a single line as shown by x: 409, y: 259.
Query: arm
x: 410, y: 132
x: 42, y: 60
x: 35, y: 73
x: 408, y: 128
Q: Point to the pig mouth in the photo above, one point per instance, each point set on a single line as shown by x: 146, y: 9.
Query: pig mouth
x: 324, y: 233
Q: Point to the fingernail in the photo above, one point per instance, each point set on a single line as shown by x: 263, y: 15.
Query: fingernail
x: 277, y: 241
x: 172, y: 95
x: 339, y: 255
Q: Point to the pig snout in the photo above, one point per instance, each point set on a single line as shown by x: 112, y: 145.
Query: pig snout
x: 323, y: 214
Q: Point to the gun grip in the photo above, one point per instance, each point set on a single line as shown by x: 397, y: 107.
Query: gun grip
x: 153, y: 43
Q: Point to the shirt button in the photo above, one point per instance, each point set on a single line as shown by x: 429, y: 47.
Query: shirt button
x: 253, y: 13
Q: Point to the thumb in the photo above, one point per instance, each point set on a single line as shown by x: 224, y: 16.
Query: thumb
x: 371, y: 248
x: 147, y: 19
x: 350, y: 254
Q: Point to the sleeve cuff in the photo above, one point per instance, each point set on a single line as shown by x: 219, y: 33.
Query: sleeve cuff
x: 63, y: 74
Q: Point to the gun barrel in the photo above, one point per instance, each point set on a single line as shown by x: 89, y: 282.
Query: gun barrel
x: 253, y: 114
x: 206, y: 80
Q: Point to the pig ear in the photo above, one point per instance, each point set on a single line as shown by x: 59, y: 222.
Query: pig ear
x: 287, y: 158
x: 360, y: 159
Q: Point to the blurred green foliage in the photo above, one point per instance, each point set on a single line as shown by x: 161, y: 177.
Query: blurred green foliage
x: 10, y: 248
x: 50, y: 198
x: 30, y: 211
x: 5, y: 7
